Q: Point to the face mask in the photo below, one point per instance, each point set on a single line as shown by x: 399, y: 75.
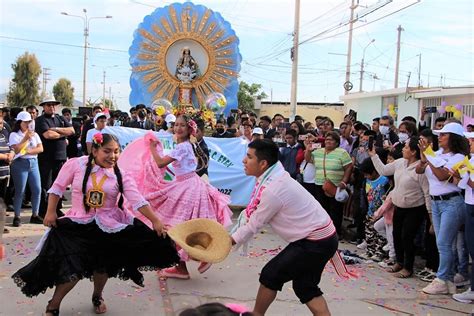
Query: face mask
x: 220, y: 130
x: 141, y: 115
x: 403, y: 137
x: 384, y: 130
x: 363, y: 144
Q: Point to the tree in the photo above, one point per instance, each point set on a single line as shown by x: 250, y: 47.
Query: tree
x: 24, y: 89
x: 247, y: 95
x: 64, y: 92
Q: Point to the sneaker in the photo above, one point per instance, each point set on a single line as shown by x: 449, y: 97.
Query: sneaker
x: 424, y: 272
x: 204, y: 266
x: 465, y: 297
x: 438, y: 286
x: 428, y: 278
x: 377, y: 258
x: 35, y: 219
x: 387, y: 263
x: 386, y: 247
x: 174, y: 273
x: 451, y: 287
x: 16, y: 221
x: 362, y: 245
x: 460, y: 280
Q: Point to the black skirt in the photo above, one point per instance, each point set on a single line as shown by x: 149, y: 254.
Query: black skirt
x: 74, y: 251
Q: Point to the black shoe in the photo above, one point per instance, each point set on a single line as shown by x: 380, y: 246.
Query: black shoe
x: 35, y: 219
x: 25, y: 204
x: 16, y: 221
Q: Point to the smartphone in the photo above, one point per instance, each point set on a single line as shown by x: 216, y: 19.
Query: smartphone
x: 316, y: 145
x: 285, y: 125
x: 370, y: 144
x: 31, y: 126
x: 302, y: 137
x: 431, y: 109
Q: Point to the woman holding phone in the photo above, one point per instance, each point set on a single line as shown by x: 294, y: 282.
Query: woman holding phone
x: 24, y: 168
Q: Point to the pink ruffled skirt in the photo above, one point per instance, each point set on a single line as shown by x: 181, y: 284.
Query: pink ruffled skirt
x: 185, y: 198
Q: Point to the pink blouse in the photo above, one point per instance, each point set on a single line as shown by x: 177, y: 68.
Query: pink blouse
x: 110, y: 218
x: 185, y: 160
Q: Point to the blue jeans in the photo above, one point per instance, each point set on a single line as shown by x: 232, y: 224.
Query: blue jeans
x: 26, y: 170
x: 448, y: 216
x: 469, y: 232
x: 461, y: 255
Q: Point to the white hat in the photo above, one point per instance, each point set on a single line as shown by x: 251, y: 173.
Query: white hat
x: 24, y: 116
x: 258, y: 131
x: 469, y: 134
x: 453, y: 128
x: 170, y: 118
x: 101, y: 114
x: 341, y: 195
x: 48, y: 100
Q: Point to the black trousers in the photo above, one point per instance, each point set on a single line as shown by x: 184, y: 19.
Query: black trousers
x: 332, y: 207
x: 406, y: 222
x: 302, y: 262
x: 310, y: 187
x: 49, y: 170
x: 431, y: 250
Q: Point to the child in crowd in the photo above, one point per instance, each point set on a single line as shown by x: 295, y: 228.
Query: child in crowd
x: 376, y: 187
x: 292, y: 155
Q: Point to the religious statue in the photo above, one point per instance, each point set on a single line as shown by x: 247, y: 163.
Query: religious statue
x: 187, y: 68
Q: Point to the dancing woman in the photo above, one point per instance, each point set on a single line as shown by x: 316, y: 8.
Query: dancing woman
x: 96, y: 238
x: 188, y: 196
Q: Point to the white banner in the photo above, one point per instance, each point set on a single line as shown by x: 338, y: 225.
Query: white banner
x: 226, y: 171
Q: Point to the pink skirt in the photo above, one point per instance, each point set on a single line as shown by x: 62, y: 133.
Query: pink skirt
x: 185, y: 198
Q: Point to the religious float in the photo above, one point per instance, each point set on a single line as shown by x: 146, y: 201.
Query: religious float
x: 186, y: 57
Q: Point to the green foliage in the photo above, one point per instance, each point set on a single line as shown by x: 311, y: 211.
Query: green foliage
x: 109, y: 104
x: 247, y: 95
x: 64, y: 92
x: 24, y: 89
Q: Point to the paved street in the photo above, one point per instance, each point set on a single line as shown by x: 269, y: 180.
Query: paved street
x: 234, y: 280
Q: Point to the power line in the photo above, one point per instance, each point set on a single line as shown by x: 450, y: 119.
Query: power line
x: 62, y: 44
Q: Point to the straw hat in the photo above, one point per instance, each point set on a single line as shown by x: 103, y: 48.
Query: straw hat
x: 202, y: 239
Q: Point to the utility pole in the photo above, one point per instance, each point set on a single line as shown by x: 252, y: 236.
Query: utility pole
x: 45, y: 81
x: 349, y: 45
x: 294, y: 58
x: 361, y: 80
x: 419, y: 70
x: 397, y: 65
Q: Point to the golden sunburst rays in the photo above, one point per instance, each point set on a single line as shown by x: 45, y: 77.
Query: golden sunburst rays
x: 189, y: 24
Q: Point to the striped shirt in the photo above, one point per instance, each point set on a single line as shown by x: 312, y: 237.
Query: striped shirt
x: 4, y: 149
x: 335, y: 162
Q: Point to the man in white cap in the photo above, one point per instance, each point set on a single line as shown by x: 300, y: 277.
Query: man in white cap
x: 100, y: 122
x: 257, y: 133
x: 170, y: 120
x: 53, y: 130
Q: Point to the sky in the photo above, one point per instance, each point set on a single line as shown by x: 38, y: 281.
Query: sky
x: 441, y: 31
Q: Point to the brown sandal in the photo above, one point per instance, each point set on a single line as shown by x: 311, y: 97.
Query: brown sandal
x: 54, y: 312
x: 404, y: 274
x: 98, y: 301
x: 395, y: 268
